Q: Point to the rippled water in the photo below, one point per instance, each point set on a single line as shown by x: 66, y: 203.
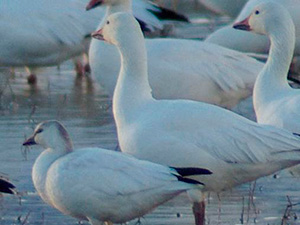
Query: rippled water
x: 85, y: 110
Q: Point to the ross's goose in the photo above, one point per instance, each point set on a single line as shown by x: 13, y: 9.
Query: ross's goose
x: 251, y: 42
x: 99, y: 185
x: 6, y: 186
x: 275, y: 102
x: 187, y: 133
x: 181, y: 69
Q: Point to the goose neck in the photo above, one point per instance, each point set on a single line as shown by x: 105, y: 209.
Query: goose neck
x: 272, y: 80
x: 132, y: 89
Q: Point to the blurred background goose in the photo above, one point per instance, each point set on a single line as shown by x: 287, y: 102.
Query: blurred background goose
x: 50, y: 32
x: 251, y: 42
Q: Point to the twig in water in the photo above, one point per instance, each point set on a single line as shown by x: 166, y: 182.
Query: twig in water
x: 288, y: 211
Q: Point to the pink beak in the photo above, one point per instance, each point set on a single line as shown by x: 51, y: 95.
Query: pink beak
x: 93, y: 4
x: 243, y: 25
x: 98, y: 35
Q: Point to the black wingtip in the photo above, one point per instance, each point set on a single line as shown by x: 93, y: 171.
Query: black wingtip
x: 188, y: 180
x: 167, y: 14
x: 144, y: 26
x: 191, y: 171
x: 6, y: 187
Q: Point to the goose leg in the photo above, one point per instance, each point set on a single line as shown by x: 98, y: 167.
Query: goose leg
x: 199, y: 212
x: 31, y: 79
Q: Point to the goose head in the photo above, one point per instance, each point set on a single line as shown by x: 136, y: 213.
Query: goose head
x: 95, y: 3
x: 265, y: 19
x: 118, y: 29
x: 50, y: 134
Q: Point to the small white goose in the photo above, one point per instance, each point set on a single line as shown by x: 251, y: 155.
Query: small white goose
x: 99, y: 185
x: 180, y: 69
x: 6, y: 186
x: 187, y: 133
x: 275, y: 102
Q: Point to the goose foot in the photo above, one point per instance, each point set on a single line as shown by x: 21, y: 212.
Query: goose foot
x: 199, y: 212
x: 32, y: 79
x: 79, y: 68
x: 87, y: 68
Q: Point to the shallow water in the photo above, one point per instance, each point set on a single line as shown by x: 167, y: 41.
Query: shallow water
x: 85, y: 110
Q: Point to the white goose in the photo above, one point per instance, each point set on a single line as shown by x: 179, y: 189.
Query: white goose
x: 275, y: 102
x: 181, y: 69
x: 44, y: 34
x: 228, y: 7
x: 251, y: 42
x: 50, y: 32
x: 99, y: 185
x: 6, y: 186
x: 187, y: 133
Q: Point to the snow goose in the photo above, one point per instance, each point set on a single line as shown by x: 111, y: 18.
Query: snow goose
x: 275, y: 102
x: 250, y: 42
x: 99, y: 185
x: 181, y: 69
x: 188, y: 133
x: 44, y: 34
x: 6, y: 186
x: 150, y: 16
x: 228, y: 7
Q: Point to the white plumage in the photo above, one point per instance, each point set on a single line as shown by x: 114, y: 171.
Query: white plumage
x: 250, y: 42
x: 99, y: 185
x: 181, y: 69
x: 275, y: 102
x: 187, y: 133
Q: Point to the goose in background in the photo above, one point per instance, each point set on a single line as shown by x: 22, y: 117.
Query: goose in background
x: 99, y: 185
x: 44, y: 34
x: 275, y: 102
x: 251, y: 42
x: 178, y: 68
x: 6, y: 186
x: 185, y: 133
x: 151, y: 17
x: 227, y: 7
x: 50, y: 32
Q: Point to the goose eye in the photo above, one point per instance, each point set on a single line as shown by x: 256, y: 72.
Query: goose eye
x: 39, y: 131
x: 107, y: 22
x: 256, y: 12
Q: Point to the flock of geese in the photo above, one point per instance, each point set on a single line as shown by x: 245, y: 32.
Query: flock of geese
x: 171, y: 140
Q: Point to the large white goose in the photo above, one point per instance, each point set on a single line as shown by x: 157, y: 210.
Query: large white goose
x: 99, y: 185
x: 188, y: 133
x: 180, y: 69
x: 275, y: 102
x: 251, y: 42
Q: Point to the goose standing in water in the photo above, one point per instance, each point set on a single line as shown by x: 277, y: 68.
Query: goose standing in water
x: 185, y: 133
x: 275, y: 102
x: 180, y: 69
x: 99, y: 185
